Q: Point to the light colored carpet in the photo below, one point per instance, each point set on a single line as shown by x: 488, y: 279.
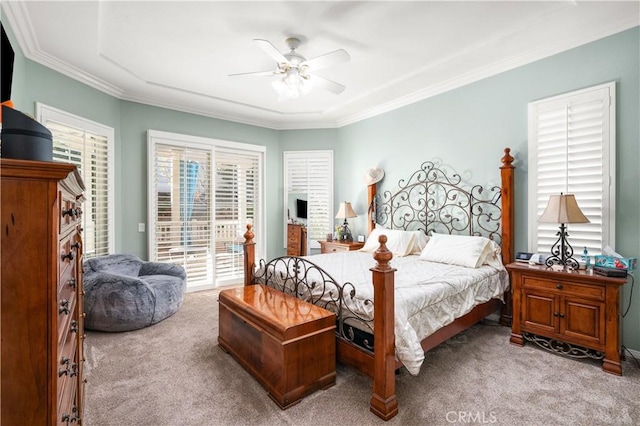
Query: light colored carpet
x: 174, y: 373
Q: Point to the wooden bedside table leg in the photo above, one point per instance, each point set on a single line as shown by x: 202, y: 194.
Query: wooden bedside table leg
x: 611, y: 362
x: 516, y: 333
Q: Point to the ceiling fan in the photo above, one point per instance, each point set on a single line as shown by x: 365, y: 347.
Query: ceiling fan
x: 295, y: 72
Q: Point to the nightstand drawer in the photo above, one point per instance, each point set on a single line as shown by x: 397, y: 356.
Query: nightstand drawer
x: 337, y: 246
x: 564, y: 287
x: 333, y: 248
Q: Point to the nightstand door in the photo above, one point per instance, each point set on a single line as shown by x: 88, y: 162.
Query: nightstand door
x: 540, y: 311
x: 583, y: 322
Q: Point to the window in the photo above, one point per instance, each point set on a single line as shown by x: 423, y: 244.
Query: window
x: 202, y: 194
x: 308, y: 175
x: 572, y: 150
x: 89, y: 146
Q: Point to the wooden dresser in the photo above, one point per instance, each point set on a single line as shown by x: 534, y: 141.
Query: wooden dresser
x: 336, y: 246
x: 574, y: 313
x: 296, y: 240
x: 41, y: 301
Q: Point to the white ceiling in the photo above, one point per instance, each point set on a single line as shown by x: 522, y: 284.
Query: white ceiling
x: 178, y: 55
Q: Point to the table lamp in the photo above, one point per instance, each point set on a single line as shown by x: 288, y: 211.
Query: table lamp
x: 345, y: 211
x: 562, y: 209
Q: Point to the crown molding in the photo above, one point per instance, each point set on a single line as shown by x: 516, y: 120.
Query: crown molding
x: 494, y: 69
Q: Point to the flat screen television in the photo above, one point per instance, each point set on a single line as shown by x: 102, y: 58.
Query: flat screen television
x: 301, y: 208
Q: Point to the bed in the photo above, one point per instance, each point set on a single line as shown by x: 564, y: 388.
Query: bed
x: 418, y: 234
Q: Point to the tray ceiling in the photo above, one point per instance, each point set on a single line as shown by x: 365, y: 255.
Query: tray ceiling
x: 178, y: 55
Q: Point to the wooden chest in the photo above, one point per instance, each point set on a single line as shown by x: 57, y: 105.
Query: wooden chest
x: 287, y: 344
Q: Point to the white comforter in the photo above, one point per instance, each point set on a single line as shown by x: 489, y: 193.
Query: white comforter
x: 428, y: 295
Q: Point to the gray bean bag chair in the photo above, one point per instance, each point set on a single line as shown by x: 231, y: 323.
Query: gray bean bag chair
x: 123, y: 292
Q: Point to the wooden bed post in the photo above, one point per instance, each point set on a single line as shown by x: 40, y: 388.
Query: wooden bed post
x: 508, y: 223
x: 371, y: 212
x: 249, y: 247
x: 507, y: 175
x: 384, y: 403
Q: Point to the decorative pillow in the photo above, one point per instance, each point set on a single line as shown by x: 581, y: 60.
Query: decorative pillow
x: 419, y: 241
x: 400, y: 243
x: 459, y: 250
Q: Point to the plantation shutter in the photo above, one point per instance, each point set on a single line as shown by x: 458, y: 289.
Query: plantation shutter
x: 572, y: 150
x: 237, y: 203
x: 86, y: 145
x: 311, y: 173
x: 182, y: 209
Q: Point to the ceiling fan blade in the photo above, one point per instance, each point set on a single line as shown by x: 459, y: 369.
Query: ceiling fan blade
x: 254, y: 74
x: 271, y: 50
x: 327, y: 60
x: 327, y: 84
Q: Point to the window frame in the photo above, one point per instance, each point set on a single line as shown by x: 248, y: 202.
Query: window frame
x: 48, y: 113
x: 607, y: 94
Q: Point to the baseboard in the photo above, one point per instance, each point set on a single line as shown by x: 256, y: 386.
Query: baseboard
x: 635, y: 353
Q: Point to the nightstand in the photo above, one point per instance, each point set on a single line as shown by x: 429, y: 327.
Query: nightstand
x: 574, y: 313
x: 336, y: 246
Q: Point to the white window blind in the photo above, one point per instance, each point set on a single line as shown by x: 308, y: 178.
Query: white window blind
x: 202, y: 194
x: 572, y: 150
x: 88, y: 146
x: 309, y: 174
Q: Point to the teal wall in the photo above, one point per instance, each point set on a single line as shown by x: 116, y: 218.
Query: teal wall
x: 465, y: 129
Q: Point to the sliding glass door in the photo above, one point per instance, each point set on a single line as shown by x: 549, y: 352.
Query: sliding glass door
x: 202, y: 196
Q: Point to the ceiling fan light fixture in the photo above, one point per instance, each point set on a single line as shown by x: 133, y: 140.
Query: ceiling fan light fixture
x: 292, y: 85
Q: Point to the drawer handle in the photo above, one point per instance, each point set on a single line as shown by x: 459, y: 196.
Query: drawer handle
x: 75, y: 245
x: 71, y: 212
x: 559, y: 286
x: 62, y: 372
x: 67, y: 256
x: 74, y: 326
x: 72, y: 283
x: 74, y: 370
x: 558, y: 314
x: 64, y: 307
x: 64, y: 361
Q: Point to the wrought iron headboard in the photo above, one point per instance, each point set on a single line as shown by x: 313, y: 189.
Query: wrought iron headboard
x: 433, y: 201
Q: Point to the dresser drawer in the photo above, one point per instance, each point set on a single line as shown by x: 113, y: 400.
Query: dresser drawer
x: 67, y: 363
x: 67, y: 404
x: 66, y: 257
x: 67, y: 318
x: 565, y: 287
x: 70, y: 212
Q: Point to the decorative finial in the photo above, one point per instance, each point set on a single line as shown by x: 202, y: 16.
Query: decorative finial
x: 507, y: 159
x: 383, y: 255
x: 248, y: 236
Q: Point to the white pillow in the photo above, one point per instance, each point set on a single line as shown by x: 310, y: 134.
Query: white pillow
x: 419, y: 241
x: 400, y: 243
x: 462, y: 250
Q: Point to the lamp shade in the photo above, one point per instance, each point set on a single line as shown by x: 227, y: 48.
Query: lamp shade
x: 563, y: 208
x: 345, y: 211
